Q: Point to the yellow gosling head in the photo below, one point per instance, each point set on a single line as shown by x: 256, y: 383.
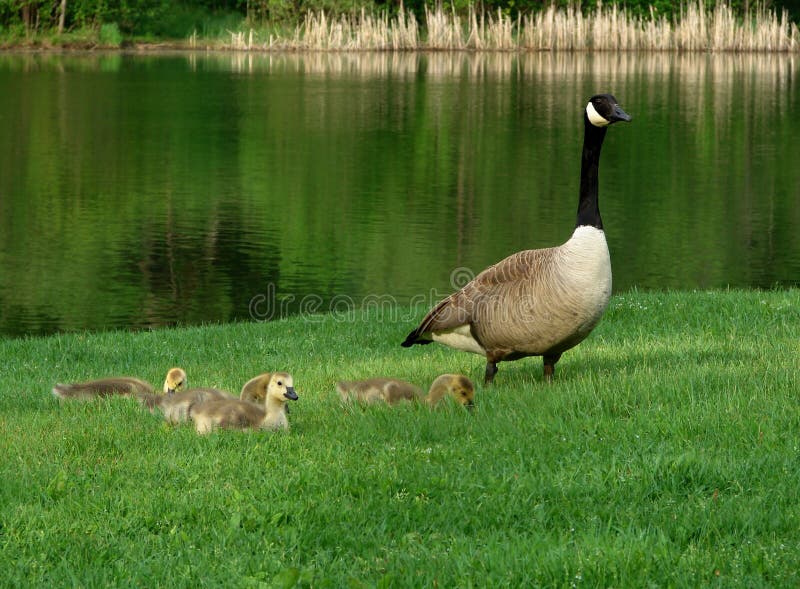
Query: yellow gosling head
x: 175, y: 381
x: 281, y: 388
x: 458, y: 386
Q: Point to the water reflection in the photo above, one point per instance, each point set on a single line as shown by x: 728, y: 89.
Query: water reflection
x: 440, y: 63
x: 140, y: 190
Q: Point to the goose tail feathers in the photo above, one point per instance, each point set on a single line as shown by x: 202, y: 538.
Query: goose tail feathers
x: 415, y: 337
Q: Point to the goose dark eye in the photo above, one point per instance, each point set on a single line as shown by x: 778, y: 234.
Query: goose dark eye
x: 280, y: 383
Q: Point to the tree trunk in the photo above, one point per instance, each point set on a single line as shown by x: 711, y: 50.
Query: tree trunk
x: 26, y: 16
x: 62, y: 16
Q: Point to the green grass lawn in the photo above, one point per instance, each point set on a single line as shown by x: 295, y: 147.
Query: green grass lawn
x: 665, y: 453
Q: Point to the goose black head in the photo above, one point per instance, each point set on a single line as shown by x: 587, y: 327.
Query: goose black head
x: 603, y: 110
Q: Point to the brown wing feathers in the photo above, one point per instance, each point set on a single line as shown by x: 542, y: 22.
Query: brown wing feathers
x: 458, y: 308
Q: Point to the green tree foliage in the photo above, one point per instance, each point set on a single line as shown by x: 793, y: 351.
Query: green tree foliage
x: 669, y: 8
x: 793, y: 6
x: 132, y: 16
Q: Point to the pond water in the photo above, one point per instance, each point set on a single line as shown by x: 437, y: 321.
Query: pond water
x: 145, y: 190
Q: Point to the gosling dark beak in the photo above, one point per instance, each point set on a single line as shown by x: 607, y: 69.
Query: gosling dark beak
x: 170, y: 391
x: 470, y: 406
x: 620, y: 115
x: 290, y: 394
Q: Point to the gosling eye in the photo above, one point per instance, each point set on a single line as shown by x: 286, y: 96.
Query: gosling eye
x: 280, y: 383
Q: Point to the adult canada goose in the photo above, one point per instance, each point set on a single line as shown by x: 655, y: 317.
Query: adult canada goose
x: 393, y: 391
x: 239, y: 414
x: 537, y: 302
x: 175, y: 408
x: 119, y: 385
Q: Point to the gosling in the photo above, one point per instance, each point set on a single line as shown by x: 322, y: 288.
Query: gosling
x: 393, y: 391
x: 239, y: 414
x: 176, y: 407
x: 124, y: 386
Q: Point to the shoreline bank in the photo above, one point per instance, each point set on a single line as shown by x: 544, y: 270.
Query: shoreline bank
x: 606, y: 29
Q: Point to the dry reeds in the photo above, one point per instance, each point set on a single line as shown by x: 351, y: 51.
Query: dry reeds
x: 604, y: 29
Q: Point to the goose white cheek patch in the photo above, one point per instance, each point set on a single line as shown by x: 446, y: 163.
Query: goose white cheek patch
x: 595, y: 117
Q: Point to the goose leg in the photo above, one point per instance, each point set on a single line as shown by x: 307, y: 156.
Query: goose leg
x: 550, y: 366
x: 491, y: 370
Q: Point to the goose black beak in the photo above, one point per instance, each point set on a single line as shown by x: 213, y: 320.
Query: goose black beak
x: 170, y: 391
x: 620, y: 115
x: 290, y: 394
x: 470, y: 406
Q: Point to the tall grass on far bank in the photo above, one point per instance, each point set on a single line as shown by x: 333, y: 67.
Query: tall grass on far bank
x: 664, y: 452
x: 603, y: 29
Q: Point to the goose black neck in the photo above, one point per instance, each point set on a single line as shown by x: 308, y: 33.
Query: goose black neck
x: 588, y: 206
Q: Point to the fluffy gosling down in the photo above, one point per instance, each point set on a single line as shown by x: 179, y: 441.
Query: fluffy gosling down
x: 393, y: 391
x: 175, y: 408
x: 240, y: 414
x: 125, y: 386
